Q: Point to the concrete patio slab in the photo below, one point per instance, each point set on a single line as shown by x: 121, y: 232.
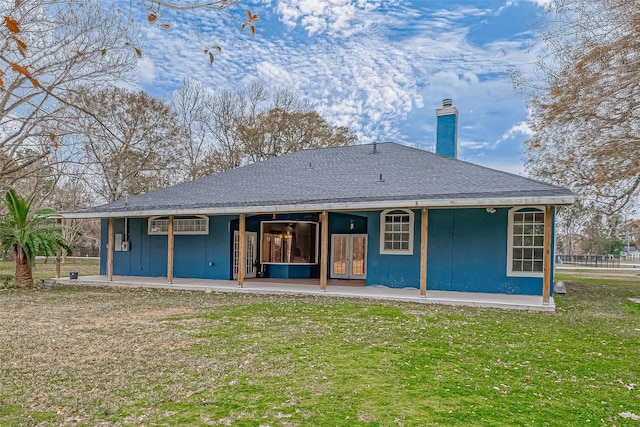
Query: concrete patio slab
x: 474, y: 299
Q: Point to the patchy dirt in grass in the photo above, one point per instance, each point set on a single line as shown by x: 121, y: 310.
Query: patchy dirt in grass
x: 57, y: 348
x: 113, y: 356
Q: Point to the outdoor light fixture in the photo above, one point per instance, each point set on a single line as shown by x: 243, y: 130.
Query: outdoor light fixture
x: 491, y: 210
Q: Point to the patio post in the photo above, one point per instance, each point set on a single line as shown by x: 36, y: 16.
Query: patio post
x: 170, y: 250
x: 110, y: 250
x: 424, y: 227
x: 58, y: 253
x: 546, y: 262
x: 324, y: 250
x: 242, y: 257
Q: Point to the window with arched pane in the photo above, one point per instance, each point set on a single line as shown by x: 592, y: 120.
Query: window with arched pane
x: 396, y: 232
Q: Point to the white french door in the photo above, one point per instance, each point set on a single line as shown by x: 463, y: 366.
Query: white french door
x: 250, y: 251
x: 348, y: 256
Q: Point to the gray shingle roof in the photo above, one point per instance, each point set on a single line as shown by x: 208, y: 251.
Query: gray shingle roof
x: 342, y: 177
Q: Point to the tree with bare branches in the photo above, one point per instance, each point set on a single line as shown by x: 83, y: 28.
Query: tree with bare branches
x: 131, y: 142
x: 48, y: 49
x: 230, y: 129
x: 586, y: 113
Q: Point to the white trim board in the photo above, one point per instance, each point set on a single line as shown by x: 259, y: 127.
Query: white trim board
x: 334, y: 206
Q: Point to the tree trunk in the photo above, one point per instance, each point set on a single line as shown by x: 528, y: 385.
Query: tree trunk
x: 24, y: 278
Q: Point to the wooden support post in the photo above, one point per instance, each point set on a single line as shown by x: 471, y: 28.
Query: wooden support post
x: 170, y: 250
x: 110, y: 251
x: 59, y: 253
x: 242, y: 256
x: 324, y: 250
x: 546, y: 263
x: 424, y: 235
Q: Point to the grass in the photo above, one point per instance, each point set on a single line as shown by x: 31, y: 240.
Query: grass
x: 46, y: 268
x: 100, y: 356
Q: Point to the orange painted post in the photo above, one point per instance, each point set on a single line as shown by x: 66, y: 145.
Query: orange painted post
x: 242, y: 257
x: 110, y: 251
x: 170, y: 250
x: 324, y: 250
x: 546, y: 262
x: 424, y: 227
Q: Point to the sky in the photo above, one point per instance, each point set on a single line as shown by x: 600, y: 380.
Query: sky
x: 379, y: 67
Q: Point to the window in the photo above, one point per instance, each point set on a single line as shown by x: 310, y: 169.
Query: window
x: 396, y: 232
x: 526, y: 242
x: 197, y: 224
x: 289, y: 242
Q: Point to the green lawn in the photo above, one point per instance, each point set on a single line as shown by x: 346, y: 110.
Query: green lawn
x: 99, y: 356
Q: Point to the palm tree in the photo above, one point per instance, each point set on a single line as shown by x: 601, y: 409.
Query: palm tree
x: 27, y: 233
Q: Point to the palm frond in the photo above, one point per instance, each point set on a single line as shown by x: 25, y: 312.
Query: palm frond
x: 30, y: 233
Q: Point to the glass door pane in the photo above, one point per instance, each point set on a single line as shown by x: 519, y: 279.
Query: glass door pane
x: 236, y: 252
x: 358, y: 251
x: 251, y: 254
x: 339, y: 256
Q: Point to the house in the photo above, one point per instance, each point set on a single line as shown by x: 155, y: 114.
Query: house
x: 384, y: 213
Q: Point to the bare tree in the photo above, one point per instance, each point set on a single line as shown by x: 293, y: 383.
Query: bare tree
x: 210, y: 119
x: 131, y: 140
x: 190, y: 102
x: 586, y: 113
x: 230, y: 129
x: 82, y: 235
x: 47, y: 49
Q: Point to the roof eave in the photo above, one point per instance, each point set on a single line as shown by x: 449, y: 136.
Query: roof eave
x: 554, y: 200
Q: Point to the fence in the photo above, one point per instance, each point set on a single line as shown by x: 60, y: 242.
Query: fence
x: 633, y: 256
x: 606, y: 261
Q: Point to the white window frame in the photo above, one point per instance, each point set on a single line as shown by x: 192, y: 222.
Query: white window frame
x: 383, y: 216
x: 510, y: 271
x: 177, y: 224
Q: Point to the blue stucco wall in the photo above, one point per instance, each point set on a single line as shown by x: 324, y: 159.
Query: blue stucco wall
x: 340, y: 223
x: 394, y: 271
x: 193, y: 254
x: 285, y: 271
x: 446, y: 137
x: 467, y: 251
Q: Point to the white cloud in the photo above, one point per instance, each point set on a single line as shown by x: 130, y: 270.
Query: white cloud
x: 521, y: 128
x: 336, y: 17
x: 146, y: 70
x: 275, y: 75
x: 462, y: 12
x: 378, y: 67
x: 543, y: 3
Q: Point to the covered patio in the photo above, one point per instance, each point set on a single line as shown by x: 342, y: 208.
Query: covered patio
x: 334, y: 288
